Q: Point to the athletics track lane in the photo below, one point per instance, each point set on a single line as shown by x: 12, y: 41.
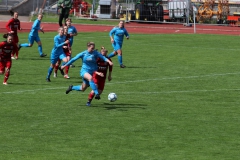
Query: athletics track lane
x: 141, y: 28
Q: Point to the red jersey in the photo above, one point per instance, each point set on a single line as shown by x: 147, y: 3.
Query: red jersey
x: 103, y: 67
x: 6, y: 49
x: 66, y: 50
x: 13, y: 25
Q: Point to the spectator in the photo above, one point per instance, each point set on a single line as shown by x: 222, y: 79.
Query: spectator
x: 64, y: 7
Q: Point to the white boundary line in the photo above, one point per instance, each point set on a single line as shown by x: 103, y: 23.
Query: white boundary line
x: 157, y: 79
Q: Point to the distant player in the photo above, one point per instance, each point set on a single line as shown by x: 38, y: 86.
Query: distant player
x: 99, y: 77
x: 67, y: 50
x: 33, y: 36
x: 72, y: 31
x: 13, y: 25
x: 116, y: 36
x: 6, y: 49
x: 57, y: 51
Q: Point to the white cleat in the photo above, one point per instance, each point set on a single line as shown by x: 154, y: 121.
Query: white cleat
x: 12, y: 58
x: 5, y: 83
x: 55, y: 75
x: 66, y: 76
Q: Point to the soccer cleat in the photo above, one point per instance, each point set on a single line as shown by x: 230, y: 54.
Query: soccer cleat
x: 48, y: 80
x: 54, y: 74
x: 12, y: 57
x: 97, y: 97
x: 69, y: 89
x: 61, y: 70
x: 43, y: 55
x: 19, y: 47
x: 72, y: 65
x: 88, y: 104
x: 122, y: 66
x: 5, y: 83
x: 16, y: 58
x: 66, y: 76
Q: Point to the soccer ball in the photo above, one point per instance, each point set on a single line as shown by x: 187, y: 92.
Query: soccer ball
x: 112, y: 97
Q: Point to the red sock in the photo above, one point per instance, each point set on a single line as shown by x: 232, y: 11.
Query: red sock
x: 66, y: 69
x: 7, y: 74
x: 90, y: 96
x: 56, y: 68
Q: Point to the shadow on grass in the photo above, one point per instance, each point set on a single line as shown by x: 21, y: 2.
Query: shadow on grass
x: 123, y: 106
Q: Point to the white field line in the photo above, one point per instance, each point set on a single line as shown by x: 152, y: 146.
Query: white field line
x: 156, y: 79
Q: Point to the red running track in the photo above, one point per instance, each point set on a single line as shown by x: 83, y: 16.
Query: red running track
x: 142, y: 28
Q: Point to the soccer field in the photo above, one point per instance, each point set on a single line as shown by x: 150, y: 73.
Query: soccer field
x: 178, y: 99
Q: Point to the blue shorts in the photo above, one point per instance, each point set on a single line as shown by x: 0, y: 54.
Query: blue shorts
x: 116, y: 46
x: 82, y: 75
x: 55, y: 59
x: 31, y: 39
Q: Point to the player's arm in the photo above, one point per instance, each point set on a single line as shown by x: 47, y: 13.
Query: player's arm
x: 126, y: 34
x: 8, y: 26
x: 105, y: 59
x: 57, y: 44
x: 79, y: 55
x: 110, y: 68
x: 111, y: 34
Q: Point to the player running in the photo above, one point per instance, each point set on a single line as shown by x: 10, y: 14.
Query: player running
x: 89, y: 58
x: 13, y: 25
x: 57, y: 51
x: 99, y: 77
x: 6, y: 49
x: 33, y: 36
x: 116, y: 36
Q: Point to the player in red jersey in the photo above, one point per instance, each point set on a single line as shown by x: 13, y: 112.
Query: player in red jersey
x: 13, y: 26
x: 6, y: 49
x: 99, y: 77
x: 67, y: 51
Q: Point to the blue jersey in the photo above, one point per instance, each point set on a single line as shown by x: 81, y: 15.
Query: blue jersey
x: 35, y: 27
x: 71, y: 30
x: 118, y: 34
x: 58, y: 46
x: 89, y: 60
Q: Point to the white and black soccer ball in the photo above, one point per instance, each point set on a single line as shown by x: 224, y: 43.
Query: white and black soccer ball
x: 112, y: 97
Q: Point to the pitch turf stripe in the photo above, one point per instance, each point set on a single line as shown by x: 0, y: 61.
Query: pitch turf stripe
x: 157, y: 79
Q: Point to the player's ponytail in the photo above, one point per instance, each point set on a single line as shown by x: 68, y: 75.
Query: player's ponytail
x: 7, y: 35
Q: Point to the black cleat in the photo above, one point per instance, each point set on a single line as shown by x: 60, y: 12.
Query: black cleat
x: 122, y: 66
x: 43, y: 55
x: 19, y: 47
x: 72, y: 65
x: 69, y: 89
x: 88, y: 104
x: 48, y: 80
x: 61, y: 70
x: 97, y: 97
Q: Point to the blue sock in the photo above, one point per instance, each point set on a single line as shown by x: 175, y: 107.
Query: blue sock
x: 111, y: 55
x: 50, y: 69
x: 94, y: 87
x: 24, y: 45
x: 40, y: 49
x: 120, y: 59
x: 77, y: 88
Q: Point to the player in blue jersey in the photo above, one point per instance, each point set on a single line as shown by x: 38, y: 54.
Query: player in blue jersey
x: 72, y: 31
x: 116, y: 36
x: 33, y: 36
x: 89, y: 58
x: 57, y: 51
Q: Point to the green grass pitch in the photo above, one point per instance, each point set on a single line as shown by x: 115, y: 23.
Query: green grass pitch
x: 178, y: 99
